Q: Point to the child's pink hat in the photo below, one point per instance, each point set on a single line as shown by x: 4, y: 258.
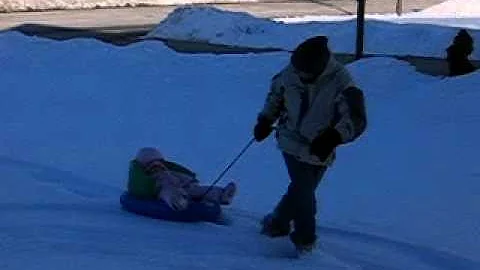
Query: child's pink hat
x: 148, y: 154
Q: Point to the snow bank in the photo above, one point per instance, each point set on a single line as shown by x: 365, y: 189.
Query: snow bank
x: 241, y: 29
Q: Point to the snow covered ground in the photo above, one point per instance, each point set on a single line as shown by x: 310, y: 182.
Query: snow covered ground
x: 73, y: 113
x: 386, y: 36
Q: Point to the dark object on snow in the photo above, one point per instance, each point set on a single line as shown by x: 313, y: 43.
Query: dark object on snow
x: 196, y: 211
x: 458, y: 52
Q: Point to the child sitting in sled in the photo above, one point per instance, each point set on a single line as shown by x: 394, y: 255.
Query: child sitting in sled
x: 151, y: 176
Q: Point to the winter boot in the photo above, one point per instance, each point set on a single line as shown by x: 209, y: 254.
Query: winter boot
x: 303, y: 245
x: 272, y: 228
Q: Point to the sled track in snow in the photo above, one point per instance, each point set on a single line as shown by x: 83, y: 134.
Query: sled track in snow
x: 358, y: 250
x: 64, y: 180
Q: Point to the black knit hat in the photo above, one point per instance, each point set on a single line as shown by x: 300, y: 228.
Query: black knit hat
x: 312, y: 55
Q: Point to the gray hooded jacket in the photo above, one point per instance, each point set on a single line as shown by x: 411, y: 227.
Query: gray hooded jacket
x: 304, y: 111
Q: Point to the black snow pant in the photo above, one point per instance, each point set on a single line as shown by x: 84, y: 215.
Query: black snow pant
x: 298, y: 204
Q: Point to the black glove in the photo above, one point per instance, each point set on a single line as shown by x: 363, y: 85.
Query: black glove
x: 324, y: 144
x: 262, y: 129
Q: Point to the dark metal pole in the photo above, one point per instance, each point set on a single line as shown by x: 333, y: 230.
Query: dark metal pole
x: 360, y: 28
x: 399, y: 7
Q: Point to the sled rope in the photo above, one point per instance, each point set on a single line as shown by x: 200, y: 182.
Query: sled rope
x: 228, y: 167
